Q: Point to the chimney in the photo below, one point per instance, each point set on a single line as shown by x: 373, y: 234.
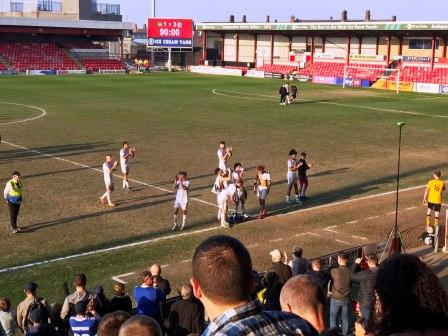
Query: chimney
x: 394, y: 18
x: 367, y: 17
x: 244, y: 18
x: 232, y: 18
x: 268, y: 18
x: 134, y: 28
x: 344, y: 16
x: 144, y: 27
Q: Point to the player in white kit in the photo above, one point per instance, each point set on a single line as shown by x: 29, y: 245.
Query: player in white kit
x: 221, y: 182
x: 108, y: 168
x: 223, y: 196
x: 181, y: 186
x: 223, y: 153
x: 126, y: 152
x: 292, y: 177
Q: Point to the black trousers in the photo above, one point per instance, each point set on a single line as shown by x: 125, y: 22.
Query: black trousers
x: 13, y: 214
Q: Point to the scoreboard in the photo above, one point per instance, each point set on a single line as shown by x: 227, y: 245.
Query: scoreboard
x: 170, y: 33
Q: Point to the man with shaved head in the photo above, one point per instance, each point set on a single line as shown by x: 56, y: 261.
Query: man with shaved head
x: 140, y: 325
x: 161, y: 283
x: 304, y: 297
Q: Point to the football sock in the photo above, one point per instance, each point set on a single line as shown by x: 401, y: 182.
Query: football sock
x: 436, y: 221
x: 184, y: 219
x: 428, y: 220
x: 175, y: 219
x: 108, y: 196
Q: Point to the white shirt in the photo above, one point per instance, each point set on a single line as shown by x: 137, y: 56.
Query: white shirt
x: 235, y: 176
x: 227, y: 192
x: 108, y: 177
x: 267, y: 177
x: 182, y: 190
x: 124, y: 159
x: 222, y: 161
x: 291, y: 164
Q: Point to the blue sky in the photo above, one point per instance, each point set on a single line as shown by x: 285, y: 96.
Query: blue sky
x: 256, y: 10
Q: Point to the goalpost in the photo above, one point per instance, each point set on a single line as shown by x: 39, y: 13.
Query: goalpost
x: 382, y: 78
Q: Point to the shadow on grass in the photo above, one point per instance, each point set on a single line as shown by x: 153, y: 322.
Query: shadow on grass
x: 59, y: 150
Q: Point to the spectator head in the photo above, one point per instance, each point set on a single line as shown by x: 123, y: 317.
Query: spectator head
x: 276, y: 255
x: 372, y: 260
x: 80, y: 282
x: 5, y: 304
x: 111, y: 323
x: 342, y: 259
x: 222, y: 272
x: 303, y: 297
x: 36, y: 316
x: 156, y: 269
x: 437, y: 174
x: 316, y: 265
x: 30, y: 288
x: 408, y: 298
x: 146, y: 278
x: 186, y: 292
x: 140, y: 325
x: 297, y: 252
x: 80, y: 308
x: 119, y: 289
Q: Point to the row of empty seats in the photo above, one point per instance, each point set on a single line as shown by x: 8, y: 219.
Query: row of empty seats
x: 35, y: 56
x: 103, y: 64
x: 424, y: 75
x: 278, y: 68
x: 83, y: 45
x: 46, y: 56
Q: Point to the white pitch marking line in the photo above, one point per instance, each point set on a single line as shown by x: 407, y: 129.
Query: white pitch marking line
x: 330, y: 230
x: 372, y: 217
x: 352, y: 222
x: 24, y: 120
x: 391, y: 213
x: 275, y: 240
x: 99, y: 170
x: 410, y: 208
x: 185, y: 261
x: 343, y: 242
x: 118, y: 277
x: 252, y: 246
x: 313, y: 234
x: 359, y: 237
x: 337, y: 104
x: 109, y: 249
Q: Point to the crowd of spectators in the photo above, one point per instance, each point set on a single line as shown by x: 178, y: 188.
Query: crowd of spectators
x: 400, y: 297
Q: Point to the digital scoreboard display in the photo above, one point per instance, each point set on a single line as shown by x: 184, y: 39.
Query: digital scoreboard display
x: 170, y: 33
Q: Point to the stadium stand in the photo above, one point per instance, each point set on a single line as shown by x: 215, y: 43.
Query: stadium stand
x: 424, y: 75
x: 332, y: 69
x: 83, y: 45
x: 36, y: 56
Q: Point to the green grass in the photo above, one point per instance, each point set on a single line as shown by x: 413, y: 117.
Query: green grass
x: 175, y: 122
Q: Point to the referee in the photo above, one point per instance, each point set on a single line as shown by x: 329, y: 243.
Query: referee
x: 13, y: 194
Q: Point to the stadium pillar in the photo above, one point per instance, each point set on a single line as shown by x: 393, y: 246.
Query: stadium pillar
x: 323, y: 44
x: 237, y: 57
x: 349, y: 45
x: 360, y: 45
x: 389, y: 44
x: 121, y: 48
x: 290, y: 43
x: 255, y: 49
x: 434, y: 41
x: 312, y: 50
x: 377, y: 45
x: 204, y: 46
x: 400, y: 46
x: 445, y: 40
x: 272, y: 48
x: 223, y: 36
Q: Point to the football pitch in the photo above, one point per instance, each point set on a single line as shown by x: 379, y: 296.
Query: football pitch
x: 57, y: 130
